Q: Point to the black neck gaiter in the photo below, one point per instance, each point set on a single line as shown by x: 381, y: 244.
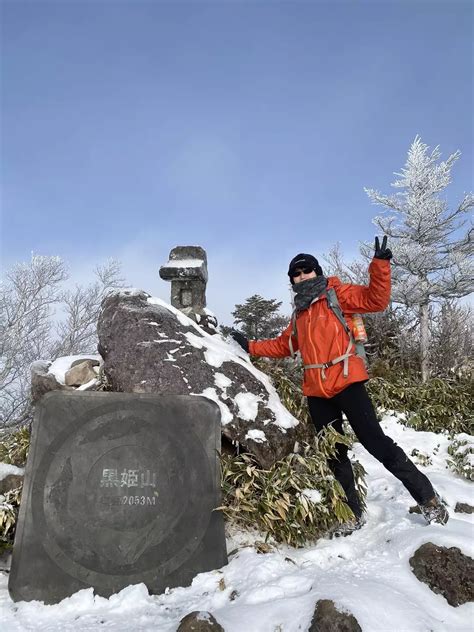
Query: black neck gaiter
x: 306, y: 291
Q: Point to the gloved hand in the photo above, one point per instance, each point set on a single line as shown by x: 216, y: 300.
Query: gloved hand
x: 240, y: 339
x: 382, y: 252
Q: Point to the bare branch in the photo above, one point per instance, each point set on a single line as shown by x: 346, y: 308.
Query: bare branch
x: 28, y: 297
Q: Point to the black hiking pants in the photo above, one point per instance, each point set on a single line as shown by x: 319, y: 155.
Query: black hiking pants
x: 355, y: 403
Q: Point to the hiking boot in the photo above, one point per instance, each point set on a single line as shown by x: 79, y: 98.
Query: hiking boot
x: 348, y: 527
x: 435, y: 510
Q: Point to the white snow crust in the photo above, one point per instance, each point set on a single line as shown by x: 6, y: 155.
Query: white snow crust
x: 88, y: 385
x: 247, y: 404
x: 313, y: 495
x: 256, y: 435
x: 6, y: 469
x: 210, y: 393
x: 222, y: 381
x: 184, y: 263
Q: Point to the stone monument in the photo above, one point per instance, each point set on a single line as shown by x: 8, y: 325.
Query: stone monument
x: 119, y: 489
x: 187, y: 271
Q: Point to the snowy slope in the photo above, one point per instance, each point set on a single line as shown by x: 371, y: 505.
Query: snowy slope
x: 367, y: 573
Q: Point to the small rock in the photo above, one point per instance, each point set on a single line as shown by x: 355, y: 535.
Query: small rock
x: 327, y: 618
x: 5, y: 559
x: 80, y: 373
x: 12, y: 481
x: 199, y: 621
x: 464, y: 508
x: 447, y: 572
x: 233, y: 595
x: 42, y: 381
x: 262, y: 547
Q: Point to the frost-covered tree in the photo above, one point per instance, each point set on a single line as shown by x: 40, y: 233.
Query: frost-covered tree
x: 432, y: 245
x: 41, y: 320
x: 259, y: 318
x: 452, y: 338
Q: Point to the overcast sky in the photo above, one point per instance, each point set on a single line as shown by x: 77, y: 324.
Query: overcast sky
x: 249, y: 128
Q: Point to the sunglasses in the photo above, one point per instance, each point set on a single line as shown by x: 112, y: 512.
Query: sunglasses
x: 299, y: 271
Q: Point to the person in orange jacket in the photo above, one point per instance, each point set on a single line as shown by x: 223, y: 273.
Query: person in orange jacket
x: 334, y: 374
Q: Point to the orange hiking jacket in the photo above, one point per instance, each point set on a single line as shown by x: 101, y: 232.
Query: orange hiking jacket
x: 322, y: 338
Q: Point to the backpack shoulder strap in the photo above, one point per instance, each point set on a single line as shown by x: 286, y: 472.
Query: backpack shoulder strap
x: 333, y: 303
x: 294, y: 333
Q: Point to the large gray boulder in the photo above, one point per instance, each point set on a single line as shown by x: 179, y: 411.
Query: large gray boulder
x: 149, y: 346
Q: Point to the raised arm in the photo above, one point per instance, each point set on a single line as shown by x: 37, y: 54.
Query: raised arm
x: 375, y: 296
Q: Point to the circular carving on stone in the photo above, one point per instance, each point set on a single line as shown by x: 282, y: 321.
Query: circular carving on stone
x: 123, y: 495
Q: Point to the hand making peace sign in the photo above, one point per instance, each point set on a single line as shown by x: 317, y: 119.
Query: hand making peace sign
x: 382, y: 252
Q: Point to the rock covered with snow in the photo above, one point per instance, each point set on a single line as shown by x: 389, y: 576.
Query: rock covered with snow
x: 148, y: 346
x: 199, y: 621
x: 64, y: 374
x: 43, y: 381
x: 8, y: 469
x: 11, y: 477
x: 327, y: 618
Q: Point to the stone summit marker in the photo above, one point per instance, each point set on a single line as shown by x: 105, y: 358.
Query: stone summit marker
x: 119, y: 489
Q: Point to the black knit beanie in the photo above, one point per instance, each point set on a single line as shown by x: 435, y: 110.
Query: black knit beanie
x: 303, y: 261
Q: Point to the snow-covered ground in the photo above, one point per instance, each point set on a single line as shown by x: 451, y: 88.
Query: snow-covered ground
x: 367, y: 573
